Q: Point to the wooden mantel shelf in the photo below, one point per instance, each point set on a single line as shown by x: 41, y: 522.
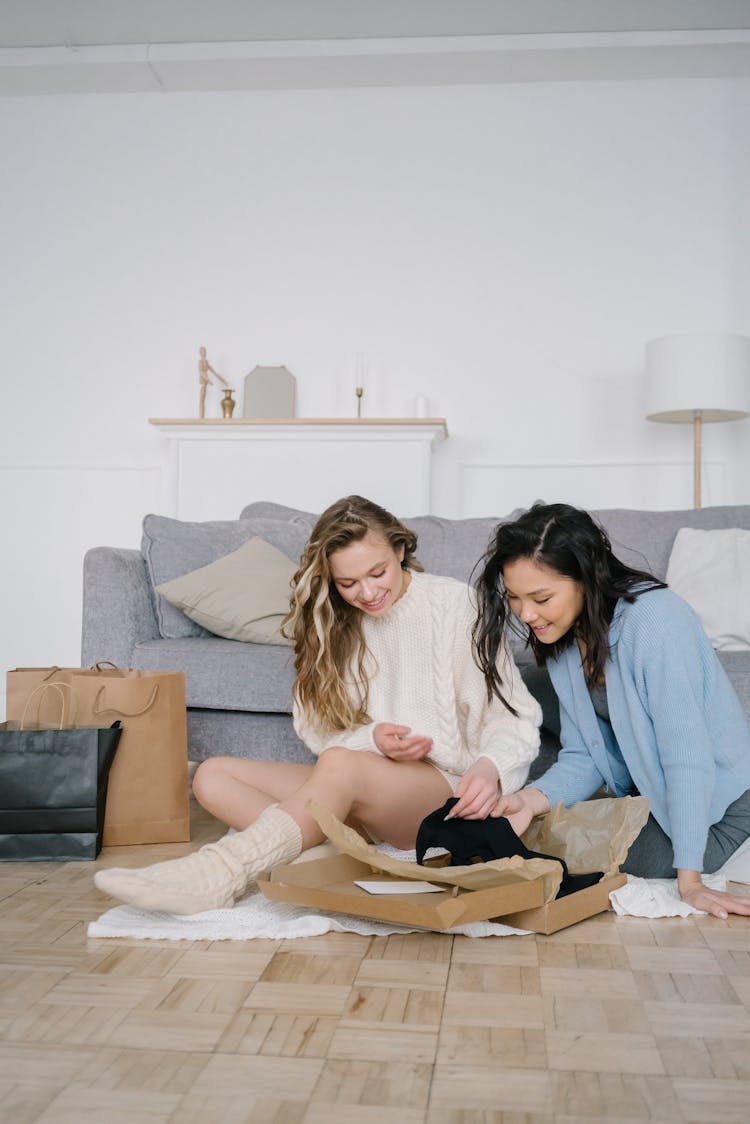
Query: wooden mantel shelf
x: 439, y: 423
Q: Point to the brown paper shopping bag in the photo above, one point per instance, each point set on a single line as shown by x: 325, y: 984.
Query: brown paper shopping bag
x: 147, y: 798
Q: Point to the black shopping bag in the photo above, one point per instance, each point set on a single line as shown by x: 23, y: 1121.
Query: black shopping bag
x: 53, y: 789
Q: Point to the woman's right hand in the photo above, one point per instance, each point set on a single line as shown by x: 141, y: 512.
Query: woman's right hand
x: 398, y: 742
x: 521, y: 807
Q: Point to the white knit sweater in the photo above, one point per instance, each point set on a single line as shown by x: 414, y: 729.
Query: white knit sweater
x: 422, y: 674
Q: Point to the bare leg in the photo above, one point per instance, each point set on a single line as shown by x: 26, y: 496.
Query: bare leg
x: 390, y: 798
x: 237, y: 790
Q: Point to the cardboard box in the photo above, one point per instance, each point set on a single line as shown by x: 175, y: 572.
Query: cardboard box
x: 562, y: 912
x: 329, y: 884
x: 515, y: 892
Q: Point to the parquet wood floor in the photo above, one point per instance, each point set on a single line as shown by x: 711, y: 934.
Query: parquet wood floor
x: 615, y: 1019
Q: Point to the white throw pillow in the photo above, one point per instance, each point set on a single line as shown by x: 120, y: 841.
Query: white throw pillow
x: 242, y: 596
x: 711, y: 571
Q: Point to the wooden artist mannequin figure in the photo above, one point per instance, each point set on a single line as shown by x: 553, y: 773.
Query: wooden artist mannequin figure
x: 204, y: 367
x: 389, y: 701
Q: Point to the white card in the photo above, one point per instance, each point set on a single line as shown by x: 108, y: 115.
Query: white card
x: 399, y: 887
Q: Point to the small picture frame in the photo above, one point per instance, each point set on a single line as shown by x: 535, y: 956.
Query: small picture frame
x: 269, y: 392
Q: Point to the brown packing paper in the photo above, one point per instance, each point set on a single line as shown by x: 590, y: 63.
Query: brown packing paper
x: 478, y: 876
x: 513, y: 891
x: 147, y: 799
x: 592, y: 835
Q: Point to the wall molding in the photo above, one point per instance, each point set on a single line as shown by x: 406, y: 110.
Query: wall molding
x: 398, y: 60
x: 66, y: 466
x: 488, y: 488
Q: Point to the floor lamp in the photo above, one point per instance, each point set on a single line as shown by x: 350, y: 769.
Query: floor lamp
x: 697, y: 378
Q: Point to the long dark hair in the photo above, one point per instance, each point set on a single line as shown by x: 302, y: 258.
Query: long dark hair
x: 572, y: 543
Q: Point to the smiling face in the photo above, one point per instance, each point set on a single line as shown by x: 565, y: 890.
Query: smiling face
x: 368, y: 574
x: 543, y: 598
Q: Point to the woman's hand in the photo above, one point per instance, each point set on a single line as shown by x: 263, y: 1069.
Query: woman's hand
x: 716, y: 902
x: 398, y: 742
x: 521, y: 807
x: 476, y: 791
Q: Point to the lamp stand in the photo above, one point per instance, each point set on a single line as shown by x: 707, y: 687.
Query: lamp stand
x: 697, y: 430
x: 699, y: 377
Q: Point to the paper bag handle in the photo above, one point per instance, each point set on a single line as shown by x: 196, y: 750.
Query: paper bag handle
x: 105, y: 663
x: 41, y: 688
x: 99, y: 711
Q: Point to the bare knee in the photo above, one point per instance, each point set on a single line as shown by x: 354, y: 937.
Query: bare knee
x: 207, y: 776
x: 337, y: 759
x: 346, y: 769
x: 335, y: 753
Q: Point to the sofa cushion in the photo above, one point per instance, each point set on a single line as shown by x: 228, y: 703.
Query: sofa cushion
x: 449, y: 547
x: 224, y: 674
x: 267, y: 509
x: 711, y: 571
x: 644, y: 539
x: 172, y: 547
x: 242, y: 596
x: 452, y: 547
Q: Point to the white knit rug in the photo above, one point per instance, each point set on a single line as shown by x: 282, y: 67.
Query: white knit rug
x: 255, y: 917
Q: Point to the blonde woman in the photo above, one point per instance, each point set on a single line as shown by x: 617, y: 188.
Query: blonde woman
x: 388, y: 698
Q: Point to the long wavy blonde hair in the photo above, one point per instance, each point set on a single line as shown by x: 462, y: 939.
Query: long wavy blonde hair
x: 326, y: 630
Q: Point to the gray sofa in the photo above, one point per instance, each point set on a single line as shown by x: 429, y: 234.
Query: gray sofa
x: 239, y: 694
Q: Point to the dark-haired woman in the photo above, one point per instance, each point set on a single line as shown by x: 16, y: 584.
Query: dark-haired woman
x: 645, y: 704
x: 387, y: 696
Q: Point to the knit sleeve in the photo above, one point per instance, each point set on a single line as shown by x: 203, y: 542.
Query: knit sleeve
x: 510, y: 741
x: 574, y: 775
x: 317, y: 740
x: 663, y: 646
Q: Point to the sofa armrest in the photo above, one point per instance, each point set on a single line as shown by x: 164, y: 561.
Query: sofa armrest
x: 118, y: 610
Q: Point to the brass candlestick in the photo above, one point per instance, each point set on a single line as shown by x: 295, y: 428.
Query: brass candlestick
x: 359, y: 391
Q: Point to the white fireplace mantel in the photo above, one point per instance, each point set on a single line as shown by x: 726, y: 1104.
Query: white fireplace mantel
x: 214, y: 467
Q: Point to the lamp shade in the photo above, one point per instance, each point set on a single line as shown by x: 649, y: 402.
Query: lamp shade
x: 704, y: 374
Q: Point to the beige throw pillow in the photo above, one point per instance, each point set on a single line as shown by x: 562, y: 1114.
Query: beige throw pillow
x: 711, y: 571
x: 242, y: 596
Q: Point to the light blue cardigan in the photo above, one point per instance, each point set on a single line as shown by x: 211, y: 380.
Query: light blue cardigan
x: 681, y: 735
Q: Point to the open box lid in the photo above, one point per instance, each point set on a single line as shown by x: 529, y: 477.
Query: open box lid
x: 594, y: 835
x: 518, y: 892
x: 477, y: 876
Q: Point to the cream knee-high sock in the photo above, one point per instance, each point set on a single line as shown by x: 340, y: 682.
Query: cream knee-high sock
x: 213, y: 877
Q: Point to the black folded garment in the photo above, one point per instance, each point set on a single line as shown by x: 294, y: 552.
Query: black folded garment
x: 471, y: 841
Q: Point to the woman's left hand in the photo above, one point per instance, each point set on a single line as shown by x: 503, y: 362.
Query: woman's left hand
x: 718, y: 903
x: 477, y: 792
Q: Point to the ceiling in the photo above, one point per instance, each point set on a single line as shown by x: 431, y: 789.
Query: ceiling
x: 85, y: 46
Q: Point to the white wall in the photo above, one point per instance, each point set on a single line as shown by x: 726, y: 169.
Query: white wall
x: 504, y: 250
